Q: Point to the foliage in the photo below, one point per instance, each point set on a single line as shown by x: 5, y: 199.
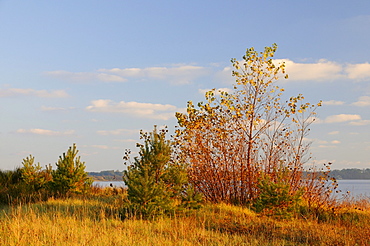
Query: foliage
x: 234, y: 139
x: 8, y: 178
x: 14, y: 190
x: 276, y: 198
x: 70, y: 176
x: 155, y: 182
x: 33, y: 175
x: 10, y: 186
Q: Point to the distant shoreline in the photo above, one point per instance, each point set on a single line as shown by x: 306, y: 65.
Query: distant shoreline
x: 121, y: 180
x: 343, y: 174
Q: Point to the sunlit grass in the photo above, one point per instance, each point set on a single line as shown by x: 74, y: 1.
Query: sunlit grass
x: 96, y: 221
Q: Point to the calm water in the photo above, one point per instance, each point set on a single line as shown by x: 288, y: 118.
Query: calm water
x: 108, y: 183
x: 356, y: 187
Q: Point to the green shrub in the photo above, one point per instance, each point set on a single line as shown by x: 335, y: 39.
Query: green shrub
x: 276, y: 198
x: 156, y: 183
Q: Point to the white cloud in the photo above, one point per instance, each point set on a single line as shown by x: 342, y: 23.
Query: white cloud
x: 333, y: 133
x: 84, y: 76
x: 126, y: 140
x: 126, y: 72
x: 323, y: 70
x: 38, y: 131
x: 358, y: 71
x: 225, y: 75
x: 342, y: 118
x: 100, y: 146
x: 110, y: 78
x: 182, y: 74
x: 44, y: 108
x: 362, y: 101
x: 179, y: 74
x: 360, y: 123
x: 327, y: 146
x: 333, y: 102
x: 145, y: 110
x: 228, y: 90
x: 104, y: 147
x: 10, y: 92
x: 118, y: 132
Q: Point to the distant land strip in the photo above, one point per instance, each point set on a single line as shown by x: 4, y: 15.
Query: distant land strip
x: 109, y: 175
x: 348, y: 173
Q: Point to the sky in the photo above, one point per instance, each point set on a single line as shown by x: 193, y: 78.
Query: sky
x: 95, y: 73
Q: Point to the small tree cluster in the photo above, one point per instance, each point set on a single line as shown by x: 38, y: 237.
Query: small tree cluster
x: 236, y: 142
x: 31, y: 183
x: 156, y: 183
x: 11, y: 186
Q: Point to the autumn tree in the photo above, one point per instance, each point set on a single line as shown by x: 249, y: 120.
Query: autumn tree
x: 233, y: 141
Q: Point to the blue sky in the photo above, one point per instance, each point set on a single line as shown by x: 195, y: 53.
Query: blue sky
x: 96, y: 72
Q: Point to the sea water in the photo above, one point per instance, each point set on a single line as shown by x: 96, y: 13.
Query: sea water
x: 355, y: 187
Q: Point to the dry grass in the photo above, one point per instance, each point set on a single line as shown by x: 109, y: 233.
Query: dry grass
x: 95, y: 221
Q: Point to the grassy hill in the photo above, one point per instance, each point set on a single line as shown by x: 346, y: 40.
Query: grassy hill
x: 97, y: 220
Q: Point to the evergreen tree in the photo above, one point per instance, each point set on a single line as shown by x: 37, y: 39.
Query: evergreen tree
x: 34, y: 176
x: 155, y: 182
x: 70, y: 176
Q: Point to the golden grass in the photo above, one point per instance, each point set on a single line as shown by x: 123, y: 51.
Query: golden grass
x: 95, y: 221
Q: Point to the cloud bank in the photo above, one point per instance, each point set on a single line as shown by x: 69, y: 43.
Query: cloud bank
x: 45, y: 132
x: 12, y: 92
x: 333, y: 103
x: 118, y: 132
x: 183, y: 74
x: 143, y: 110
x: 322, y: 70
x: 362, y: 101
x: 176, y: 75
x: 342, y: 118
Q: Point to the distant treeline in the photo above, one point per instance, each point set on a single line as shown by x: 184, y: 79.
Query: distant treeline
x: 109, y: 175
x: 351, y: 173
